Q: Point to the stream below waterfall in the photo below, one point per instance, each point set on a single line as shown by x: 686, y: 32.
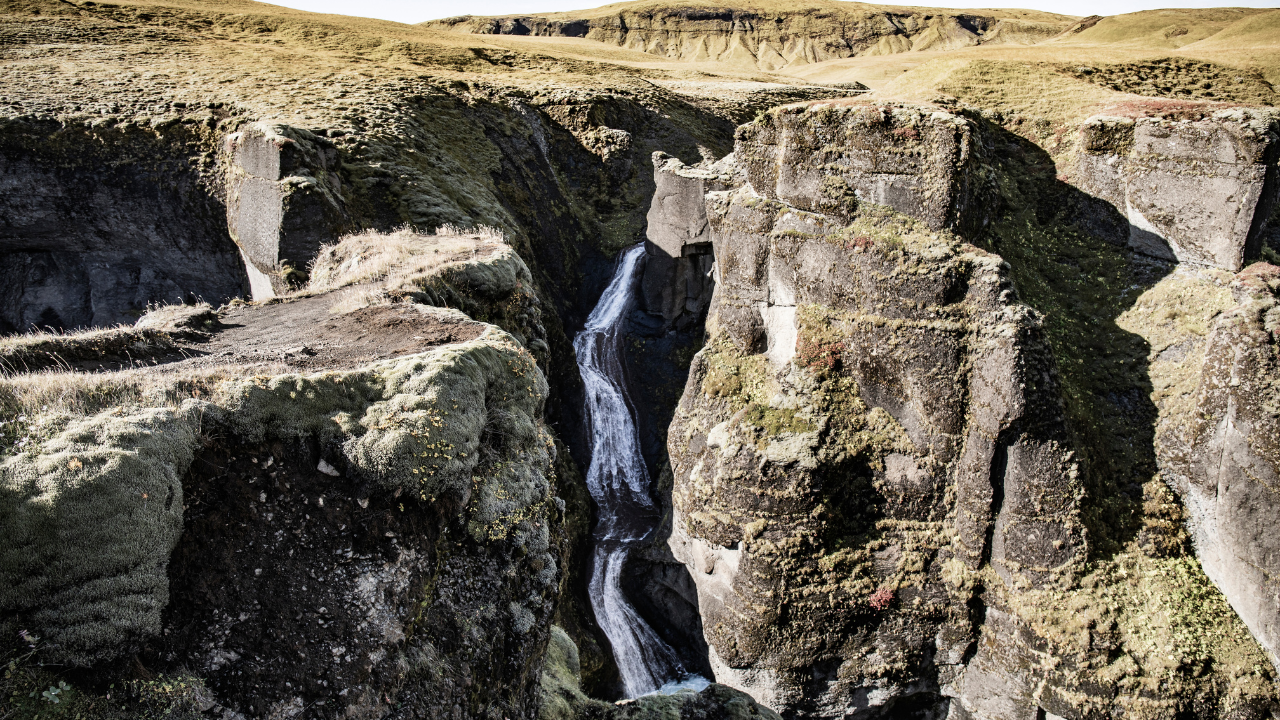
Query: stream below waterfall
x: 619, y: 484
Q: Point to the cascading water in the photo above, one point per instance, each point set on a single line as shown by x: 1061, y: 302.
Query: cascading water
x: 619, y: 483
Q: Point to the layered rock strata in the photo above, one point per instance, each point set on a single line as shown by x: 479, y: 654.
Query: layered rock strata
x: 775, y: 40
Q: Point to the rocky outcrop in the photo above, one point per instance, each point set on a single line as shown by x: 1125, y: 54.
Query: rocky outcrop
x: 877, y: 489
x: 677, y: 282
x: 778, y: 39
x: 284, y: 201
x: 563, y: 699
x: 362, y: 514
x: 1197, y: 191
x: 1221, y: 454
x: 874, y: 412
x: 830, y: 158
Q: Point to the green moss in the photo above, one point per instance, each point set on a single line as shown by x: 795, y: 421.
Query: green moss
x: 740, y: 379
x: 1172, y: 635
x: 560, y: 692
x: 95, y: 508
x: 90, y: 521
x: 881, y: 228
x: 30, y: 690
x: 775, y: 421
x: 1081, y: 283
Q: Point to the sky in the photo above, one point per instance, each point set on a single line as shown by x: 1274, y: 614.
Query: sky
x: 411, y: 11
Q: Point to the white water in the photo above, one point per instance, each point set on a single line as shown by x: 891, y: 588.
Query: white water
x: 619, y: 483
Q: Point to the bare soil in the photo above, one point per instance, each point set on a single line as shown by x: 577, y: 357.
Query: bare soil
x: 304, y: 335
x: 296, y: 335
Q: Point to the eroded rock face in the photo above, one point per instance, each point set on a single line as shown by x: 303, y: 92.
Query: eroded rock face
x: 1192, y: 191
x: 873, y: 414
x: 283, y: 202
x: 677, y: 283
x: 360, y: 519
x: 770, y: 40
x: 1223, y: 457
x: 99, y: 221
x: 876, y: 490
x: 830, y: 158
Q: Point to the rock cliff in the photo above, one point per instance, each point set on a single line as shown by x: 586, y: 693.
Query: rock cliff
x: 1195, y: 191
x: 365, y: 520
x: 772, y: 38
x: 953, y: 409
x: 880, y: 484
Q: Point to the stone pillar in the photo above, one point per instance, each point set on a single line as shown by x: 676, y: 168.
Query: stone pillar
x: 283, y: 203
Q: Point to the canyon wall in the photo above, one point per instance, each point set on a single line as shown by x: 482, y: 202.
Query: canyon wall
x: 1197, y: 191
x: 880, y: 488
x: 98, y: 222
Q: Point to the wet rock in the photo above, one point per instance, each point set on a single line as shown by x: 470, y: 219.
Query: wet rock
x: 562, y: 699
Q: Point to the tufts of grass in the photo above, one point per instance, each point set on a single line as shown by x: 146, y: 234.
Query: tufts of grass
x: 398, y: 255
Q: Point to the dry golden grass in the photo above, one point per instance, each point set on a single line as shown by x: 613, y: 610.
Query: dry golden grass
x: 372, y: 256
x: 294, y: 66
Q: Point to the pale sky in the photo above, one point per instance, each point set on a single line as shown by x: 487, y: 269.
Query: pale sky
x: 411, y: 11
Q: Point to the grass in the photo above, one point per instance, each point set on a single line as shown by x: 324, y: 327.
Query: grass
x: 373, y: 256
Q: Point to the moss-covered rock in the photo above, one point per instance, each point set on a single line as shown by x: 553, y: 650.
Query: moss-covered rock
x: 887, y: 466
x: 91, y: 519
x: 404, y: 483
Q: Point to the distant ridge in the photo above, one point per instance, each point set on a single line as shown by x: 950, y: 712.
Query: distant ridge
x: 774, y: 36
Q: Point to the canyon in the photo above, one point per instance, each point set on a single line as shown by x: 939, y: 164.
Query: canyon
x: 655, y: 361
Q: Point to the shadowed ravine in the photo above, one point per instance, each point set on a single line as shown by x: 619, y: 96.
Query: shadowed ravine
x: 619, y: 483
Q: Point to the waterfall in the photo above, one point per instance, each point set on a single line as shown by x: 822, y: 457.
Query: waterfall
x: 619, y: 483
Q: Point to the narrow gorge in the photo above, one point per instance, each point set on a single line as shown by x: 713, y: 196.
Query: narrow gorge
x: 636, y: 363
x: 620, y: 486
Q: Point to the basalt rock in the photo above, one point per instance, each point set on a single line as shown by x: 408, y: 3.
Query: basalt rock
x: 284, y: 201
x: 899, y: 423
x: 677, y: 276
x: 877, y: 486
x: 358, y: 519
x: 1194, y: 191
x: 1223, y: 456
x: 921, y: 161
